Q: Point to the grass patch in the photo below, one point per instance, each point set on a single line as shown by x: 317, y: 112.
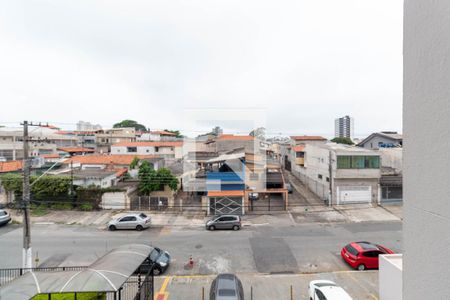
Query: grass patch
x: 71, y: 296
x: 15, y: 222
x: 38, y: 211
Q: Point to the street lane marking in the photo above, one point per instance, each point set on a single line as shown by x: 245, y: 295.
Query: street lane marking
x: 162, y: 294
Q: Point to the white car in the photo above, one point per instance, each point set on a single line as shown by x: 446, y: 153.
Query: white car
x: 326, y: 290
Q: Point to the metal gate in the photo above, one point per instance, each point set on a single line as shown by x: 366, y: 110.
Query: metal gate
x: 226, y: 205
x: 149, y: 203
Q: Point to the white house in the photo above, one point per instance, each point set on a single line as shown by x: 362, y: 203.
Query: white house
x: 163, y: 149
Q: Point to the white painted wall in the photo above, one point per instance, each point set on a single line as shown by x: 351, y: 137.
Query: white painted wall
x: 390, y: 277
x: 426, y: 169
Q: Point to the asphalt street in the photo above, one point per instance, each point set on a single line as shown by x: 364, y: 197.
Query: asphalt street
x: 297, y: 249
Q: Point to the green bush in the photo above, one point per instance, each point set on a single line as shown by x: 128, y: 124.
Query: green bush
x: 61, y: 206
x: 86, y: 206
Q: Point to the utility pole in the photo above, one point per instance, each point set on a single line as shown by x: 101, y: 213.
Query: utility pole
x: 27, y: 253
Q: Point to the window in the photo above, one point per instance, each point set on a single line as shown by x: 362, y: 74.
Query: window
x: 319, y: 176
x: 131, y: 149
x: 328, y: 179
x: 352, y: 250
x: 371, y: 253
x: 358, y: 162
x: 320, y: 295
x: 156, y: 149
x: 299, y: 154
x: 125, y: 219
x: 142, y: 215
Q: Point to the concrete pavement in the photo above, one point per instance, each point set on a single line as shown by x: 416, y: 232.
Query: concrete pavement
x: 295, y: 216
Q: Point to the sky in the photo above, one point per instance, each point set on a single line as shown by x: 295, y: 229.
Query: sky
x: 299, y: 63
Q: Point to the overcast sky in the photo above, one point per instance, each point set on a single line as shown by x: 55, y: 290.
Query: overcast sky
x: 303, y: 63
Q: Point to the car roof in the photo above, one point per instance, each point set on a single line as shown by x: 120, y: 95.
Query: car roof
x: 364, y: 246
x: 335, y: 292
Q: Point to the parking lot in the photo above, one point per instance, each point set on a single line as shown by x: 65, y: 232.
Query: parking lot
x: 360, y: 285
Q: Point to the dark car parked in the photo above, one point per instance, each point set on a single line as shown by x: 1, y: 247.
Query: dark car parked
x: 160, y: 259
x: 226, y: 287
x: 224, y: 222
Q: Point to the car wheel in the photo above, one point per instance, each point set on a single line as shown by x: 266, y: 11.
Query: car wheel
x: 139, y: 227
x: 112, y: 228
x: 361, y: 267
x: 156, y: 271
x: 212, y: 228
x: 235, y: 227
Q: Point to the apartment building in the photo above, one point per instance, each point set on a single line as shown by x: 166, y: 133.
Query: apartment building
x: 344, y: 127
x: 338, y: 173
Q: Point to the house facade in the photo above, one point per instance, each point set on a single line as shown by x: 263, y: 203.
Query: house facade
x: 384, y: 139
x: 106, y: 138
x: 162, y: 149
x: 339, y: 174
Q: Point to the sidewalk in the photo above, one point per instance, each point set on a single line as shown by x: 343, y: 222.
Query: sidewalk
x: 295, y: 216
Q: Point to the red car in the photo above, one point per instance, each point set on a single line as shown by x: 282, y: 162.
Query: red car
x: 363, y: 255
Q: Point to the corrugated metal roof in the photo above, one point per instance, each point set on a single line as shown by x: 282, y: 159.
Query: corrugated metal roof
x: 107, y: 274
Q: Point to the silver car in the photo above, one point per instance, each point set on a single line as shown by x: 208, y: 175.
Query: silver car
x: 137, y: 221
x: 4, y: 217
x: 224, y: 222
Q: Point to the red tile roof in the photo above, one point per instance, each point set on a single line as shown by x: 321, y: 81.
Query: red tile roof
x: 115, y: 159
x: 149, y: 144
x: 76, y: 149
x: 232, y: 137
x: 121, y: 172
x: 308, y: 138
x: 298, y: 148
x: 10, y: 166
x: 225, y: 193
x: 163, y: 132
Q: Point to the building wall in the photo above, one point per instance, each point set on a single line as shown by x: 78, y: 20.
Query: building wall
x: 426, y: 238
x: 374, y: 142
x: 390, y: 277
x: 392, y: 158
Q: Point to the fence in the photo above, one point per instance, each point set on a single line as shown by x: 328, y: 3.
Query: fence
x: 321, y: 189
x: 149, y: 203
x: 133, y: 289
x: 7, y: 275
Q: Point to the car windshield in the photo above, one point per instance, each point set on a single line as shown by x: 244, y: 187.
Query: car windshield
x: 321, y: 284
x: 142, y: 215
x: 154, y: 254
x: 2, y: 213
x: 227, y: 292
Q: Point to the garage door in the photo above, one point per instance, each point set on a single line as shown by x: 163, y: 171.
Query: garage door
x: 226, y: 205
x: 354, y: 194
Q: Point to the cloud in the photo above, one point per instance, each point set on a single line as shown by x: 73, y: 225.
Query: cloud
x: 304, y: 62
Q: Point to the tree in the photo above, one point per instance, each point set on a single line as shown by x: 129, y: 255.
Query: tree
x: 177, y: 132
x: 130, y: 123
x: 342, y: 140
x: 259, y: 133
x: 151, y: 180
x: 146, y: 176
x: 134, y: 163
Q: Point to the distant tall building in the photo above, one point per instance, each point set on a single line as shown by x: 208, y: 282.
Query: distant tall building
x: 87, y: 126
x: 343, y: 127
